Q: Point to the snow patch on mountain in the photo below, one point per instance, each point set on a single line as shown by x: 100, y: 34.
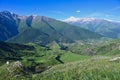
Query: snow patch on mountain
x: 73, y: 19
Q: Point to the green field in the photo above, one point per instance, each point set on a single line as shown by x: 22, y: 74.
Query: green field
x: 71, y: 57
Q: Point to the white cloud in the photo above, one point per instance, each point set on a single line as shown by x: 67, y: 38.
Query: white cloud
x: 78, y: 11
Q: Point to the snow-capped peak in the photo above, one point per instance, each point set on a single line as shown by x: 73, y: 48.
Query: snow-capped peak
x: 71, y: 19
x: 74, y: 19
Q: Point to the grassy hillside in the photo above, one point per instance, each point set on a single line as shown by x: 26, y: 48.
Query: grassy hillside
x: 14, y: 71
x: 32, y: 55
x: 71, y: 57
x: 42, y: 63
x: 98, y: 68
x: 52, y: 63
x: 110, y: 47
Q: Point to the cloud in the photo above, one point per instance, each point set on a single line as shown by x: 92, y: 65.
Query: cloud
x: 78, y: 11
x: 58, y: 12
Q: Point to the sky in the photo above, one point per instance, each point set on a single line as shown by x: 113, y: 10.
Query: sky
x: 63, y: 9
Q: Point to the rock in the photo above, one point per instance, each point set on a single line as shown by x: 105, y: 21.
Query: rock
x: 115, y: 59
x: 17, y: 69
x: 7, y: 62
x: 40, y: 69
x: 14, y: 66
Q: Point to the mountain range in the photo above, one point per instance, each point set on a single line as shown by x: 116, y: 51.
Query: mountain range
x: 39, y: 29
x: 104, y: 27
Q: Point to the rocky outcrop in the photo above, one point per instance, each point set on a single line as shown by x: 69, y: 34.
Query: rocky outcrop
x: 117, y: 59
x: 17, y: 69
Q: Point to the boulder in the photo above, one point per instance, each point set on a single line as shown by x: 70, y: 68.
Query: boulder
x: 116, y: 59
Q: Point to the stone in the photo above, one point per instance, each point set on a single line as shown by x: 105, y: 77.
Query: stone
x: 114, y: 59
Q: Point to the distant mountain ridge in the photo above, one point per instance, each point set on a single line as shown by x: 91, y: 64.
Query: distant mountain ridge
x: 104, y: 27
x: 39, y: 29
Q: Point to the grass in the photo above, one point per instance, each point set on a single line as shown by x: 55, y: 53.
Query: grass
x: 75, y: 67
x: 70, y: 57
x: 11, y: 74
x: 93, y: 69
x: 45, y: 57
x: 40, y: 57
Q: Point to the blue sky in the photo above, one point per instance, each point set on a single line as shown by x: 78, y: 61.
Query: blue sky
x: 62, y: 9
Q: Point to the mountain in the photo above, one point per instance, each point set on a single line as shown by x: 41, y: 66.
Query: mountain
x: 39, y: 29
x: 104, y: 27
x: 8, y: 25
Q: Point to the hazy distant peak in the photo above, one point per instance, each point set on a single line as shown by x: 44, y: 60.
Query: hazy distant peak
x: 74, y: 19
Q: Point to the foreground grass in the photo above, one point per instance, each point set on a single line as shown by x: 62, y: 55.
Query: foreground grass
x: 97, y: 68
